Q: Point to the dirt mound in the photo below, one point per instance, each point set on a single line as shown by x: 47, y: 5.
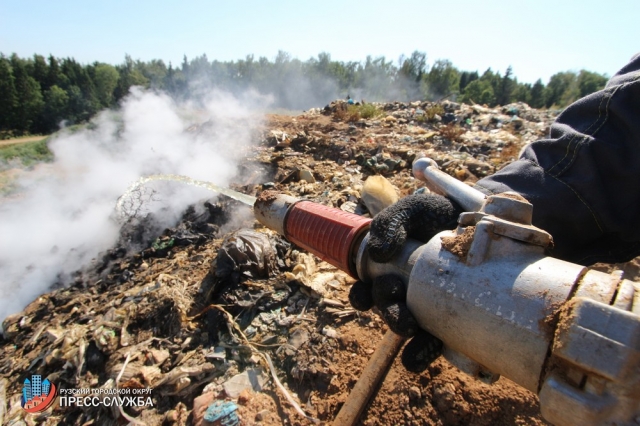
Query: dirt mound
x: 162, y: 318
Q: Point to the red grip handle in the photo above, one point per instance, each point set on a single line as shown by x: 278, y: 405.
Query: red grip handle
x: 329, y: 233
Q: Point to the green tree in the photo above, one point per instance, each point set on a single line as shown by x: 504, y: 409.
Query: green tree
x: 494, y: 79
x: 522, y: 93
x: 130, y: 76
x: 8, y: 95
x: 409, y: 75
x: 375, y: 77
x: 571, y: 94
x: 40, y: 71
x: 480, y: 92
x: 29, y: 101
x: 466, y: 77
x: 537, y: 94
x: 589, y: 82
x: 56, y: 102
x: 37, y: 94
x: 443, y: 79
x: 505, y: 88
x: 561, y: 89
x: 76, y: 107
x: 414, y: 66
x: 86, y: 105
x: 174, y: 82
x: 321, y: 65
x: 156, y: 72
x: 54, y: 76
x: 200, y: 71
x: 105, y: 79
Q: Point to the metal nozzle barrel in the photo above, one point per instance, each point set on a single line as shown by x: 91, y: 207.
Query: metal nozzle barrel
x: 425, y: 169
x: 331, y: 234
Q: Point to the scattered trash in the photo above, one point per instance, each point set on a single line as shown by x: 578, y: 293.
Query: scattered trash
x: 217, y: 353
x: 307, y: 176
x: 298, y: 338
x: 247, y: 253
x: 378, y: 193
x: 329, y: 332
x: 222, y: 413
x: 200, y: 311
x: 249, y: 379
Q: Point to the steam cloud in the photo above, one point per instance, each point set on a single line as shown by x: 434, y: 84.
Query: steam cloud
x: 63, y: 217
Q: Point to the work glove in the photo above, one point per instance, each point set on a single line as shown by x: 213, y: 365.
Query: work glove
x: 418, y: 216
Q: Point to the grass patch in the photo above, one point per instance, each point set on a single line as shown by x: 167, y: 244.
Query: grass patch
x: 369, y: 111
x: 28, y: 153
x: 431, y: 111
x: 451, y: 132
x: 7, y: 185
x: 429, y: 114
x: 353, y: 113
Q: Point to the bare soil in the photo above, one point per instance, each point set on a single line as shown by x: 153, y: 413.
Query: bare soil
x: 17, y: 141
x: 160, y: 310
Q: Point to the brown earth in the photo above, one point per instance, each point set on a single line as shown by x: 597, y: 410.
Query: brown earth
x: 151, y: 318
x: 17, y: 141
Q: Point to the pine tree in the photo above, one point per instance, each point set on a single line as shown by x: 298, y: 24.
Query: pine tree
x: 506, y: 87
x: 29, y: 101
x: 8, y: 94
x: 40, y: 71
x: 537, y: 95
x: 467, y: 77
x: 522, y: 93
x: 53, y: 73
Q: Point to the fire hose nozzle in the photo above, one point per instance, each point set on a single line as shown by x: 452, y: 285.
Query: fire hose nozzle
x: 505, y: 308
x: 331, y: 234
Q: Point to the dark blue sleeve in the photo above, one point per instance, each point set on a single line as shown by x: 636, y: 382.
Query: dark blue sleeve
x: 584, y: 181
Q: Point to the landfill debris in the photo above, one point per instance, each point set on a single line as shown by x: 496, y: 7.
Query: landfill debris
x: 307, y: 176
x: 185, y: 310
x: 329, y: 332
x: 249, y: 379
x: 222, y: 413
x: 245, y: 252
x: 298, y: 338
x: 378, y: 193
x: 200, y: 406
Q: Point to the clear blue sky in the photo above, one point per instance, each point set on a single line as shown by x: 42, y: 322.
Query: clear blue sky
x: 537, y: 38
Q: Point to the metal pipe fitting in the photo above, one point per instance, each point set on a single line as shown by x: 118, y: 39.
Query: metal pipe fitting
x: 426, y: 169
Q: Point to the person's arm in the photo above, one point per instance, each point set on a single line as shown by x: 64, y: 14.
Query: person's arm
x: 584, y: 181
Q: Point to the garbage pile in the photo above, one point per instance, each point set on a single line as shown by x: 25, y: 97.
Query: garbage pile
x: 228, y: 323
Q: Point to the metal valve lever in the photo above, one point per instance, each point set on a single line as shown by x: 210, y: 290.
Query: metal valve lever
x: 426, y: 169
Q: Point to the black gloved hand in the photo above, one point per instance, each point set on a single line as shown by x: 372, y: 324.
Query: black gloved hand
x: 418, y: 216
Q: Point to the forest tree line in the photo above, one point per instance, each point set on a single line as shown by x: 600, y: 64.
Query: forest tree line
x: 38, y: 94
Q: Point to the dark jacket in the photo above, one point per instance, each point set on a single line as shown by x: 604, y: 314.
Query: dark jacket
x: 584, y: 181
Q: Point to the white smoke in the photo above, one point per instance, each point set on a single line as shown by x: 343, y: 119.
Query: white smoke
x: 63, y: 217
